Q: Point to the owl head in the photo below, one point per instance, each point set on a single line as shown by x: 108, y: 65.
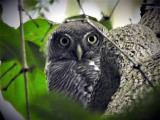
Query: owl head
x: 75, y: 40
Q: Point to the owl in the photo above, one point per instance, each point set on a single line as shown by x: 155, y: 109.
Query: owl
x: 77, y: 66
x: 102, y: 69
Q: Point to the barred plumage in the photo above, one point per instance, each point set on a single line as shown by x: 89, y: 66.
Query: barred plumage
x: 66, y: 73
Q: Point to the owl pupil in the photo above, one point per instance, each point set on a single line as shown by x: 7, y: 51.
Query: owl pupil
x: 91, y: 38
x: 64, y: 41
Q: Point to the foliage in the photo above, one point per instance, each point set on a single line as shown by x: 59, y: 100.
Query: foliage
x: 10, y: 54
x: 107, y: 24
x: 58, y: 107
x: 36, y: 34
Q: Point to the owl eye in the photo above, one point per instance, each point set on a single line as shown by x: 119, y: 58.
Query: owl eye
x: 64, y: 41
x: 92, y: 39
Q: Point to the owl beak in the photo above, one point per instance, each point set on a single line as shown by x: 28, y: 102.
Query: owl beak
x: 79, y: 52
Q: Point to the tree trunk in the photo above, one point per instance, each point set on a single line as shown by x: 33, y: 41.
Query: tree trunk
x: 151, y: 19
x: 142, y: 46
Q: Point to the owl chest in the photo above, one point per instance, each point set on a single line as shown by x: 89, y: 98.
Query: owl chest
x: 76, y: 80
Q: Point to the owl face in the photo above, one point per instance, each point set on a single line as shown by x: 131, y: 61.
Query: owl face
x: 76, y: 41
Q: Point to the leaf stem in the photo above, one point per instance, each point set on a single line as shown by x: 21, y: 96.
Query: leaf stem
x: 24, y: 61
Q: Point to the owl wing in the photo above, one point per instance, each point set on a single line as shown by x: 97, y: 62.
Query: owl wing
x: 138, y: 60
x: 109, y: 78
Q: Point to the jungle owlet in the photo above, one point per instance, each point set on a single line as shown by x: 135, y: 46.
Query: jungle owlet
x: 77, y: 65
x: 105, y: 70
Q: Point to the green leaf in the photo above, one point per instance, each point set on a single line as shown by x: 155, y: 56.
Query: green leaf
x: 9, y: 42
x: 39, y: 33
x: 56, y: 106
x: 35, y: 58
x: 15, y: 93
x: 36, y: 32
x: 10, y: 46
x: 10, y: 52
x: 107, y: 24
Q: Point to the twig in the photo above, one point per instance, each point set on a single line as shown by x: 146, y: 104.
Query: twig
x: 10, y: 68
x: 114, y: 9
x: 146, y: 78
x: 105, y: 17
x: 80, y: 6
x: 24, y: 61
x: 130, y: 19
x: 30, y: 17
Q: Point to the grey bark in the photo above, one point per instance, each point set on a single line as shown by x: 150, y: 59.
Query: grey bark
x: 151, y: 19
x: 141, y: 44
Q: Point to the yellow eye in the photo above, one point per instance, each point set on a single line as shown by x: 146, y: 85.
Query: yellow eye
x: 64, y: 41
x: 92, y: 39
